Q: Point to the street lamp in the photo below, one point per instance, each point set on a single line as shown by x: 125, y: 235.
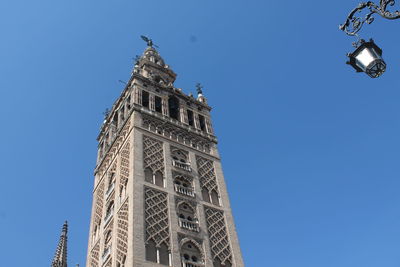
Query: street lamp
x: 368, y: 56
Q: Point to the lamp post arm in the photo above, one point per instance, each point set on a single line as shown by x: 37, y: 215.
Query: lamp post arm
x: 354, y: 23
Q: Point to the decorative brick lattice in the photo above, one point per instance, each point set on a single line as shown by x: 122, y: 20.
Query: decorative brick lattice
x: 99, y: 204
x: 205, y: 168
x: 153, y: 154
x: 218, y: 235
x: 156, y: 217
x: 170, y: 131
x: 124, y: 167
x: 122, y: 233
x: 123, y: 134
x: 94, y: 255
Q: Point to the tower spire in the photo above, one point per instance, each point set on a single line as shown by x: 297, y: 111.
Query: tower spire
x: 60, y: 258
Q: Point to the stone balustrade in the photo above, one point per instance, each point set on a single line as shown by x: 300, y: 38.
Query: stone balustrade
x: 189, y: 225
x: 187, y: 191
x: 187, y: 263
x: 181, y: 165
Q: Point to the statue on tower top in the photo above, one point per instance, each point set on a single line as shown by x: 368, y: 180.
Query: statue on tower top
x: 199, y: 89
x: 148, y: 40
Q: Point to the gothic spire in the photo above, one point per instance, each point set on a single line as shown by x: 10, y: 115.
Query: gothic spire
x: 60, y: 258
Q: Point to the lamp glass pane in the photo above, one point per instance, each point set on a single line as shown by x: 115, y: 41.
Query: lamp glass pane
x: 365, y: 57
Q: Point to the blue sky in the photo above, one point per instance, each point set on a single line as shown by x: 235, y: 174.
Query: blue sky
x: 310, y: 149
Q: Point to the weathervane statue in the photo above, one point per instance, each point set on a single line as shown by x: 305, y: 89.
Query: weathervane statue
x: 148, y: 40
x: 199, y: 89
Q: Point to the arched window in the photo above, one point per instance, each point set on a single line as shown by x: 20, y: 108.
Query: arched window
x: 148, y: 175
x: 151, y: 251
x: 190, y: 253
x: 107, y: 239
x: 154, y: 178
x: 206, y: 195
x: 180, y: 159
x: 159, y: 179
x: 215, y: 198
x: 187, y: 217
x: 182, y: 181
x: 109, y: 212
x: 179, y: 156
x: 217, y: 263
x: 122, y: 191
x: 163, y: 254
x: 156, y: 254
x: 173, y: 107
x: 95, y: 233
x: 115, y: 119
x: 186, y: 212
x: 111, y: 176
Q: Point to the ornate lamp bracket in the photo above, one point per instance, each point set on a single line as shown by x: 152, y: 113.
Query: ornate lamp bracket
x: 354, y: 23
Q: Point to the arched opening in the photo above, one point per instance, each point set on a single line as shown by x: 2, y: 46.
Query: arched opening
x: 190, y: 253
x: 187, y: 217
x: 173, y: 107
x: 110, y: 181
x: 202, y: 122
x: 164, y: 254
x: 148, y: 175
x: 158, y: 104
x: 109, y: 212
x: 95, y: 232
x: 183, y: 182
x: 107, y: 239
x: 179, y: 156
x: 205, y: 194
x: 217, y: 263
x: 190, y: 117
x: 159, y: 179
x: 145, y: 99
x: 151, y: 251
x: 115, y: 119
x: 215, y: 198
x: 186, y: 212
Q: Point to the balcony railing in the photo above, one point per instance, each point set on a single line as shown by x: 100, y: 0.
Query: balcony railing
x: 188, y: 191
x: 189, y: 225
x: 106, y: 254
x: 108, y: 217
x: 110, y: 190
x: 187, y: 263
x: 181, y: 165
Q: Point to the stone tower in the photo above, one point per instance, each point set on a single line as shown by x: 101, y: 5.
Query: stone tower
x: 159, y: 195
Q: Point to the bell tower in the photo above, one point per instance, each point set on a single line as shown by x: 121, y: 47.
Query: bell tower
x: 159, y: 196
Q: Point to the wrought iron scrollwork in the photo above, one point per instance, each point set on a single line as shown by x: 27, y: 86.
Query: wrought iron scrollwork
x: 354, y: 23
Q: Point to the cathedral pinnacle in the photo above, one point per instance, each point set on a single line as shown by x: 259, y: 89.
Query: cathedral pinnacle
x: 60, y: 257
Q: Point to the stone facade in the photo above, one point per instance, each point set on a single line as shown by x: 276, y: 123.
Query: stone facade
x: 159, y: 194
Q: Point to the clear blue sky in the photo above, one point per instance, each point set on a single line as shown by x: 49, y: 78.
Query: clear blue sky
x: 310, y: 149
